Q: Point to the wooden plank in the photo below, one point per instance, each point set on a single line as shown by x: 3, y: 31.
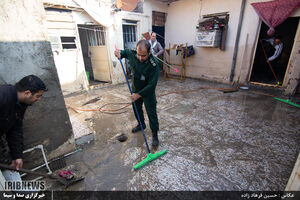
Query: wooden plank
x: 294, y: 180
x: 58, y: 18
x: 61, y: 32
x: 158, y: 14
x: 60, y: 25
x: 265, y: 84
x: 58, y: 4
x: 160, y: 19
x: 158, y: 23
x: 58, y: 13
x: 99, y: 58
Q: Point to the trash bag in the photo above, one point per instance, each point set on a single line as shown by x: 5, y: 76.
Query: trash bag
x: 190, y: 51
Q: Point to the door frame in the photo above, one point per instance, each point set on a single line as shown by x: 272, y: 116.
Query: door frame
x: 285, y: 79
x: 253, y: 52
x: 93, y: 27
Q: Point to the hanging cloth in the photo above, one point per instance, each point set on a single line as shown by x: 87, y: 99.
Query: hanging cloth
x: 275, y: 12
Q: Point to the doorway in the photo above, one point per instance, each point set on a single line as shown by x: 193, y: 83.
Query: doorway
x: 160, y: 34
x: 158, y: 26
x: 274, y: 73
x: 94, y: 52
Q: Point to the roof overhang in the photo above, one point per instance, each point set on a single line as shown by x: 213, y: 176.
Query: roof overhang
x: 167, y: 1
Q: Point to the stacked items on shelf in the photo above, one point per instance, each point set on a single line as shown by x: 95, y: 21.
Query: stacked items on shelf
x: 213, y: 23
x: 210, y: 32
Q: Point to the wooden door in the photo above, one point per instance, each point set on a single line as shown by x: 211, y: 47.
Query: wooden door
x: 98, y: 54
x: 100, y: 64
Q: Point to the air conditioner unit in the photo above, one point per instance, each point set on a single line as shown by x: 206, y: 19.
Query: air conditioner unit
x: 208, y: 38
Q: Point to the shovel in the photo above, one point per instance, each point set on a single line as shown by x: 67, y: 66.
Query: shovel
x: 63, y: 181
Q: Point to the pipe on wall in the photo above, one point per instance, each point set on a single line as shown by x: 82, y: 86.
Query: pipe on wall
x: 236, y: 45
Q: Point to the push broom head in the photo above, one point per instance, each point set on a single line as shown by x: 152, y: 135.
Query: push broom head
x: 288, y: 102
x: 148, y: 159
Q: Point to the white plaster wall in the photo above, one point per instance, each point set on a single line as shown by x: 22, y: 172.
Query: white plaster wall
x: 182, y: 18
x: 115, y: 37
x: 12, y: 30
x: 69, y: 62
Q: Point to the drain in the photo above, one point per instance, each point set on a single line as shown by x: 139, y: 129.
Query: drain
x: 122, y: 137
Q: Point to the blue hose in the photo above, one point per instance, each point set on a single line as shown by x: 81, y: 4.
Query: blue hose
x: 135, y: 108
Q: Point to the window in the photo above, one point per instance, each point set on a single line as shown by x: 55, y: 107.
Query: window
x: 129, y: 34
x: 158, y: 18
x: 96, y: 36
x: 68, y: 42
x: 129, y: 31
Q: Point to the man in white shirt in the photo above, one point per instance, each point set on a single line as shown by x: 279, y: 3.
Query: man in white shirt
x: 278, y: 45
x: 274, y: 60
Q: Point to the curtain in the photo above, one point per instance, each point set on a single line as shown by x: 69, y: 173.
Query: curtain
x: 275, y: 12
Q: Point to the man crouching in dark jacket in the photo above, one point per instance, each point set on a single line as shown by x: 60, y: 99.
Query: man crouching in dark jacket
x: 13, y: 103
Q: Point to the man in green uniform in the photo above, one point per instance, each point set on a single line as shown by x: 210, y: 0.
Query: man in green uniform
x: 145, y: 71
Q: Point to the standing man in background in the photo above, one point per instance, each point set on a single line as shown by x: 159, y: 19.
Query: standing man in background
x: 156, y: 47
x: 145, y: 71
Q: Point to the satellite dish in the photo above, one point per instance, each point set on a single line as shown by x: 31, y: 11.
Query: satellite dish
x: 127, y: 5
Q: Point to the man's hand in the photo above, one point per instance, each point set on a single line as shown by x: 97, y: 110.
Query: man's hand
x: 18, y: 163
x: 135, y: 96
x: 117, y: 54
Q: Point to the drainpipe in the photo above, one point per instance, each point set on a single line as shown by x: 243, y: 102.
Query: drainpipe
x: 236, y: 46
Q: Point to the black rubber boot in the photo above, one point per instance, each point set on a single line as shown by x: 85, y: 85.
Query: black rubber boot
x: 138, y: 128
x: 155, y: 141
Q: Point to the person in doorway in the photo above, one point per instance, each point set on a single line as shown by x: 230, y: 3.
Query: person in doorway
x: 145, y: 71
x: 156, y: 47
x: 274, y: 60
x: 14, y: 100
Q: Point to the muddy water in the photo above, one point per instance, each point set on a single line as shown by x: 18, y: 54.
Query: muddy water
x: 215, y: 141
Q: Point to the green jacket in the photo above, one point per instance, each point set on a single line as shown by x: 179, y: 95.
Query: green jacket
x: 145, y: 75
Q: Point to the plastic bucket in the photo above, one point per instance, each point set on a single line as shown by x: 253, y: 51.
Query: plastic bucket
x: 88, y: 75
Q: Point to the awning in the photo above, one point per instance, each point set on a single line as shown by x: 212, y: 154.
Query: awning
x: 275, y: 12
x: 96, y: 13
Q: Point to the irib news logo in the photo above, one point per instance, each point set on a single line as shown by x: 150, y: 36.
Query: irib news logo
x: 25, y: 185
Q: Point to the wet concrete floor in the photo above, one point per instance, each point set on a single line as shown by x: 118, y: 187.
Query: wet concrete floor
x: 242, y: 140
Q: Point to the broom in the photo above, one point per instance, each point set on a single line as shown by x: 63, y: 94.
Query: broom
x: 278, y: 83
x: 150, y: 156
x: 288, y: 101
